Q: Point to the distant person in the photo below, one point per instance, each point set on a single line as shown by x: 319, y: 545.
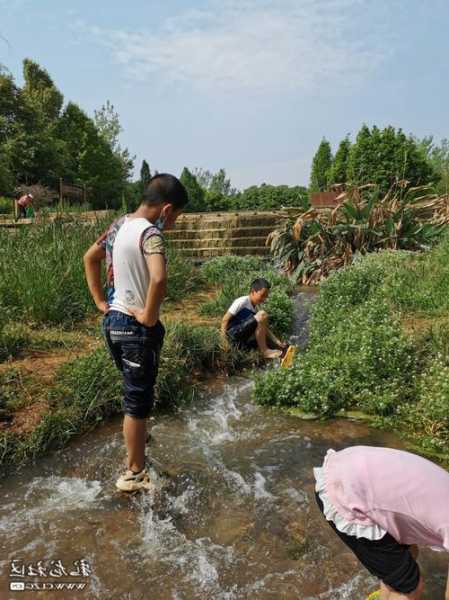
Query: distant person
x: 383, y: 504
x: 133, y: 248
x: 23, y: 203
x: 247, y: 327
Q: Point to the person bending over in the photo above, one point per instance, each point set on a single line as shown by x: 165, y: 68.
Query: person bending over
x: 383, y: 504
x: 247, y: 328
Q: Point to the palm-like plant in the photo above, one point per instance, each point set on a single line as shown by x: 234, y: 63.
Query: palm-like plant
x: 317, y: 242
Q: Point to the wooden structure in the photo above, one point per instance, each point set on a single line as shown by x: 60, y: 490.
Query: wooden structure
x: 71, y: 192
x: 324, y: 199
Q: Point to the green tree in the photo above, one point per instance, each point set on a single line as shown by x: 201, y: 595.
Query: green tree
x: 386, y: 156
x: 221, y: 184
x: 361, y: 158
x: 194, y: 190
x: 108, y: 125
x: 268, y: 197
x: 438, y: 157
x: 321, y: 165
x: 145, y: 175
x: 339, y: 169
x: 40, y: 91
x: 9, y: 117
x: 89, y: 159
x: 32, y: 148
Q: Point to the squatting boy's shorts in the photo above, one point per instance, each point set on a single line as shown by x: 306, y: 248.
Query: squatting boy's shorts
x: 242, y: 335
x: 386, y: 559
x: 135, y: 349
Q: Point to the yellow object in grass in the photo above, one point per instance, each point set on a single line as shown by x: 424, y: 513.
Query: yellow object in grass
x: 374, y: 596
x: 287, y: 361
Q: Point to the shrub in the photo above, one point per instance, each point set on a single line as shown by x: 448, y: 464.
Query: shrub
x: 217, y: 270
x: 6, y: 206
x: 428, y: 418
x: 183, y: 277
x: 358, y: 358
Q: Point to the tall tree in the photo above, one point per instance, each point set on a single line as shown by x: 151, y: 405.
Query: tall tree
x: 89, y: 158
x: 386, y: 156
x: 361, y: 158
x: 40, y: 91
x: 321, y: 165
x: 107, y: 122
x: 194, y: 191
x: 339, y: 169
x: 145, y: 175
x: 437, y: 155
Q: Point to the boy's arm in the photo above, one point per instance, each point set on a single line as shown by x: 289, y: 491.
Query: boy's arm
x: 149, y: 315
x: 225, y: 323
x: 224, y: 328
x: 92, y: 268
x: 278, y: 342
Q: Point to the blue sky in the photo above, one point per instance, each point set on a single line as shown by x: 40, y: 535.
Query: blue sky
x: 248, y: 85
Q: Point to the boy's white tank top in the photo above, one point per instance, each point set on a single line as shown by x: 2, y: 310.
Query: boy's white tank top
x: 131, y: 276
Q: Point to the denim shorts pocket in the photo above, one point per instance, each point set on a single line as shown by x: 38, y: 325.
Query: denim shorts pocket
x: 136, y: 360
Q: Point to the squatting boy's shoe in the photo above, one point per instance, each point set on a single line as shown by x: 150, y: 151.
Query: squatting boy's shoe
x: 374, y: 596
x: 131, y: 482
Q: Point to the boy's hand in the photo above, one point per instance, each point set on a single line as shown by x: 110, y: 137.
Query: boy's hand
x: 139, y: 315
x: 225, y: 341
x: 103, y: 307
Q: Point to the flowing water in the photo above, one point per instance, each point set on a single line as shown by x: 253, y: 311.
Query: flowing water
x: 232, y: 517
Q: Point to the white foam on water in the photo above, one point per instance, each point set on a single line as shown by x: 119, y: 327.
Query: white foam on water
x: 237, y: 481
x: 350, y: 590
x: 299, y: 496
x: 213, y: 426
x: 47, y: 495
x: 196, y: 561
x: 264, y: 583
x: 181, y: 503
x: 260, y: 492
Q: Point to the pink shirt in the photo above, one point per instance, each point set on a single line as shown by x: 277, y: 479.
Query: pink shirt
x: 403, y: 493
x: 24, y: 201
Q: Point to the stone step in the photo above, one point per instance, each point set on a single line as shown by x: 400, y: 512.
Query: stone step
x: 220, y: 243
x: 218, y: 233
x: 212, y: 252
x: 226, y: 221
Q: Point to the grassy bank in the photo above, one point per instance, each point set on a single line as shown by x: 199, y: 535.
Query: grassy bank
x: 59, y: 381
x: 379, y: 343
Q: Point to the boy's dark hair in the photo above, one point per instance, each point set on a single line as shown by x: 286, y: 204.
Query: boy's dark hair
x: 164, y: 187
x: 259, y: 284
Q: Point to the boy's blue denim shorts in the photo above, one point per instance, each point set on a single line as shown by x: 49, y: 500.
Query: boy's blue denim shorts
x: 135, y: 349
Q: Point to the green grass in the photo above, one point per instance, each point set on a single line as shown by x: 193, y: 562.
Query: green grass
x: 42, y: 280
x: 360, y: 357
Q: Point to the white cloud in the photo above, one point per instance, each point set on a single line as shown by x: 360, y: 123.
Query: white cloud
x: 258, y: 45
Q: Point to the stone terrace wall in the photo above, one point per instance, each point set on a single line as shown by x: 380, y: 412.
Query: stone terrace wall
x: 204, y: 235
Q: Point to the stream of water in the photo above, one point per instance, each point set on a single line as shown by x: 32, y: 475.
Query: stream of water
x: 233, y: 516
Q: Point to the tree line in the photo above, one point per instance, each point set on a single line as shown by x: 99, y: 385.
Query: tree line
x: 41, y: 140
x: 382, y: 157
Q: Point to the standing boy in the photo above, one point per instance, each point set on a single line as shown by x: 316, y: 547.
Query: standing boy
x: 247, y: 327
x: 133, y: 248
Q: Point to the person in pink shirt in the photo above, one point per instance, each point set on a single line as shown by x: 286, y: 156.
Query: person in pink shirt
x: 22, y: 204
x: 383, y: 504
